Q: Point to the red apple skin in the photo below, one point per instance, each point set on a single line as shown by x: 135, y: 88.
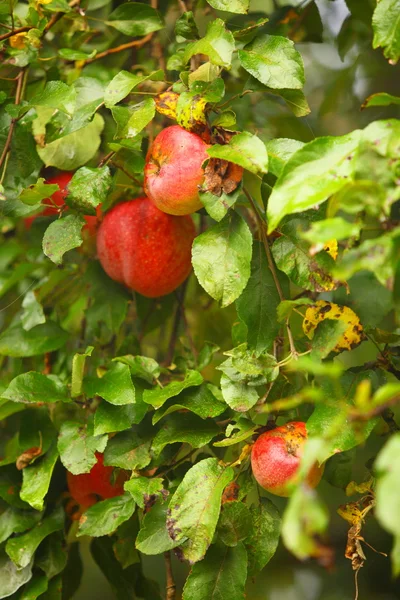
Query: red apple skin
x: 276, y: 457
x: 86, y: 489
x: 173, y: 172
x: 144, y: 248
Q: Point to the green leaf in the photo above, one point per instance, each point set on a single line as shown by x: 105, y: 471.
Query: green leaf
x: 123, y: 83
x: 257, y: 305
x: 33, y: 312
x: 22, y: 548
x: 12, y: 578
x: 238, y: 431
x: 109, y: 418
x: 56, y: 95
x: 36, y: 586
x: 158, y: 396
x: 37, y: 192
x: 221, y: 258
x: 386, y: 27
x: 77, y: 447
x: 239, y: 396
x: 387, y: 468
x: 37, y: 477
x: 131, y: 120
x: 153, y: 536
x: 71, y: 54
x: 235, y: 523
x: 323, y: 231
x: 313, y: 173
x: 285, y: 308
x: 199, y: 400
x: 62, y: 235
x: 15, y: 341
x: 135, y: 18
x: 186, y: 26
x: 264, y: 535
x: 279, y: 151
x: 115, y: 386
x: 380, y: 99
x: 75, y: 149
x: 36, y: 387
x: 218, y: 206
x: 274, y: 61
x: 124, y: 549
x: 244, y: 149
x: 218, y: 44
x: 326, y: 336
x: 143, y: 489
x: 232, y: 6
x: 78, y: 369
x: 128, y: 450
x: 51, y: 556
x: 88, y: 188
x: 291, y: 254
x: 106, y: 516
x: 185, y: 428
x: 222, y: 574
x: 16, y: 521
x: 195, y: 507
x: 141, y: 366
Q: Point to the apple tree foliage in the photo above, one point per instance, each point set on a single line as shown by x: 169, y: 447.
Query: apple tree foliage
x: 174, y: 390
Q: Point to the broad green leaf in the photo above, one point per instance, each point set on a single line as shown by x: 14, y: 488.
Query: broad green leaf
x: 285, y: 308
x: 153, y: 536
x: 128, y: 450
x: 36, y: 479
x: 124, y: 549
x: 34, y: 588
x: 233, y: 6
x: 115, y: 386
x: 218, y: 206
x: 380, y: 99
x: 77, y: 447
x: 11, y: 279
x: 235, y: 523
x: 123, y: 83
x: 199, y: 400
x: 221, y: 258
x: 237, y: 432
x: 9, y: 408
x: 15, y: 341
x: 21, y: 549
x: 244, y: 149
x: 78, y: 369
x: 305, y: 519
x: 386, y: 27
x: 313, y: 173
x: 109, y: 418
x: 70, y: 54
x: 264, y: 535
x: 221, y: 574
x: 158, y: 396
x: 62, y: 235
x: 291, y: 254
x: 106, y: 516
x: 185, y: 428
x: 131, y: 120
x: 141, y: 366
x: 88, y: 188
x: 274, y: 61
x: 38, y: 191
x: 186, y: 26
x: 58, y: 95
x: 321, y: 232
x: 387, y: 468
x: 326, y: 336
x: 33, y: 312
x: 135, y: 18
x: 36, y: 387
x: 218, y: 44
x: 295, y: 100
x: 12, y: 578
x: 143, y: 489
x: 51, y: 556
x: 75, y: 149
x: 257, y: 305
x: 16, y: 521
x: 239, y: 396
x: 195, y: 507
x: 279, y: 151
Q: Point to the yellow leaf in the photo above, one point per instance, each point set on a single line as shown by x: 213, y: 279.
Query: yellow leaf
x: 322, y: 310
x: 331, y: 248
x: 166, y: 104
x: 18, y: 41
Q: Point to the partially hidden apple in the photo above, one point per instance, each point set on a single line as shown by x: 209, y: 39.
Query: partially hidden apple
x: 276, y: 457
x: 173, y: 172
x: 57, y: 200
x: 88, y: 488
x: 144, y: 248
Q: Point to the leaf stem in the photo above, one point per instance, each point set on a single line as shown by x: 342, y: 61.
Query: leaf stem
x: 262, y: 225
x: 171, y: 587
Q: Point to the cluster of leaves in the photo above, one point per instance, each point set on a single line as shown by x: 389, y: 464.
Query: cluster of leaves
x: 88, y: 367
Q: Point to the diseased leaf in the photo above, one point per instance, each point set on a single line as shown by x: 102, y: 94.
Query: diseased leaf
x: 16, y: 521
x: 38, y: 191
x: 143, y: 489
x: 12, y: 578
x: 62, y: 235
x: 77, y: 447
x: 244, y: 149
x: 380, y: 99
x: 264, y: 535
x: 235, y: 523
x: 233, y: 6
x: 386, y: 26
x: 37, y: 477
x: 128, y: 450
x: 88, y: 188
x: 106, y: 516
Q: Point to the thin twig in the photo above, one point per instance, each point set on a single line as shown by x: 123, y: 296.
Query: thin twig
x: 18, y: 96
x: 171, y: 587
x: 105, y: 159
x: 121, y: 168
x: 56, y: 17
x: 121, y: 48
x: 271, y: 265
x: 177, y: 321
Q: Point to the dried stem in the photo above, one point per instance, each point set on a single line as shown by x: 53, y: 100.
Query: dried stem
x: 18, y: 96
x: 171, y: 587
x: 262, y: 225
x: 121, y: 48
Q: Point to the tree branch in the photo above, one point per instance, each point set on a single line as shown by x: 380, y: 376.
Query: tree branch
x: 171, y: 587
x: 121, y: 48
x: 18, y: 96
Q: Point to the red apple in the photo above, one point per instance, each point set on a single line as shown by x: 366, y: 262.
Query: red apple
x: 86, y: 489
x: 144, y: 248
x: 173, y: 172
x: 276, y: 457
